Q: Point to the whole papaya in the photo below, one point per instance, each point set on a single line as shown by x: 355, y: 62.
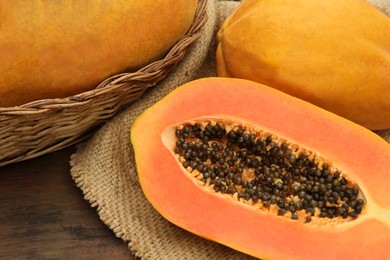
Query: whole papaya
x: 334, y: 54
x: 54, y: 49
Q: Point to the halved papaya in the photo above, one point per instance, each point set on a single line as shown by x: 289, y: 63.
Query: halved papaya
x: 264, y: 173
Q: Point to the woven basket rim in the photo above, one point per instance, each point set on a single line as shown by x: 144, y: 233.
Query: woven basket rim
x: 117, y: 80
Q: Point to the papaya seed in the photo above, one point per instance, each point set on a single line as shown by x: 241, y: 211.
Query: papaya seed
x: 259, y: 167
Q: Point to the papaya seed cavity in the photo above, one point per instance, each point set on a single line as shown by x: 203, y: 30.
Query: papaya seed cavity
x: 260, y: 169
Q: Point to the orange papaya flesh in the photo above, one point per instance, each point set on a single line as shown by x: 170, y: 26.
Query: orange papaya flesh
x: 349, y: 153
x: 330, y: 53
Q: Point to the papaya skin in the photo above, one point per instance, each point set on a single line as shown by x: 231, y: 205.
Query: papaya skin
x: 55, y: 49
x: 181, y: 200
x: 334, y: 54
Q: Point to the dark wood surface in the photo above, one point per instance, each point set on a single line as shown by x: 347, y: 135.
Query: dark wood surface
x: 43, y: 215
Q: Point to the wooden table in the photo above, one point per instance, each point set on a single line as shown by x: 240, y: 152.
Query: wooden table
x: 43, y: 215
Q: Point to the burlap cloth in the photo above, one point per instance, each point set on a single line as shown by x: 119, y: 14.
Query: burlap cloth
x: 104, y: 169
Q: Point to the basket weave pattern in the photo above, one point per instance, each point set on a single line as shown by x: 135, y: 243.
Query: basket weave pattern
x: 44, y: 126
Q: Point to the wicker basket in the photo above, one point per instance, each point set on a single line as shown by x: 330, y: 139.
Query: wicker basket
x: 44, y: 126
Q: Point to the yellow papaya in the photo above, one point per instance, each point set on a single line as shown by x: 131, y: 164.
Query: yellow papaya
x: 54, y: 49
x: 334, y: 54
